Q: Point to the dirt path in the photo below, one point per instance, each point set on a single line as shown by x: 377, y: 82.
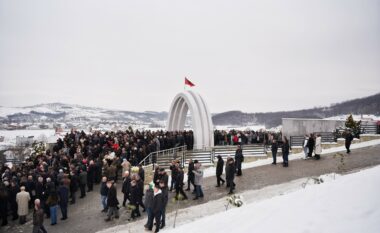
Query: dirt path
x: 85, y: 215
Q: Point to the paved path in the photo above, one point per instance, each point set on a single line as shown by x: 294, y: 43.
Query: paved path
x: 85, y: 215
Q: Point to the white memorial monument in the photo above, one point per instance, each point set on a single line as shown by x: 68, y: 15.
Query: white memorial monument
x: 201, y: 118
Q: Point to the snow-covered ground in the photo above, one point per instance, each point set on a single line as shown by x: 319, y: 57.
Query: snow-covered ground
x: 347, y: 204
x: 364, y: 117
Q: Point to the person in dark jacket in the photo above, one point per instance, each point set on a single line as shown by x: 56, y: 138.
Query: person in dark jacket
x: 134, y: 200
x: 82, y: 183
x: 4, y: 197
x: 126, y: 187
x: 190, y: 175
x: 141, y: 172
x: 14, y: 189
x: 230, y: 174
x: 179, y: 185
x: 274, y: 151
x: 310, y: 145
x: 219, y: 171
x: 112, y: 201
x: 91, y: 176
x: 285, y: 152
x: 158, y: 205
x: 140, y: 185
x: 63, y: 193
x: 38, y: 218
x: 104, y: 193
x: 52, y: 202
x: 149, y: 207
x: 74, y: 184
x: 239, y: 159
x: 348, y: 140
x: 165, y: 193
x: 174, y: 171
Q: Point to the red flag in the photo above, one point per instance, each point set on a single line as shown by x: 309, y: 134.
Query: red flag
x: 188, y: 82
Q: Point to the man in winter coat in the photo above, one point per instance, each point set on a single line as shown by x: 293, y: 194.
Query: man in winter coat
x: 112, y: 201
x: 310, y: 146
x: 82, y: 183
x: 74, y: 184
x: 91, y: 176
x: 198, y: 180
x: 63, y: 193
x: 126, y: 187
x: 230, y: 174
x: 318, y: 147
x: 285, y: 152
x: 104, y: 193
x: 219, y: 171
x: 179, y: 185
x: 190, y: 175
x: 348, y: 141
x: 158, y: 202
x: 13, y: 191
x: 274, y: 150
x: 22, y: 199
x: 134, y: 200
x: 38, y: 218
x: 149, y: 207
x: 239, y: 158
x: 165, y: 193
x: 4, y: 196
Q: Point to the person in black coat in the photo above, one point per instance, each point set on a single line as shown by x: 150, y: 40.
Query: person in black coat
x: 140, y: 185
x: 91, y: 176
x: 141, y: 173
x: 190, y: 175
x: 13, y: 190
x: 348, y: 140
x: 174, y: 171
x: 165, y: 193
x: 63, y: 193
x: 230, y: 174
x: 4, y: 196
x: 134, y: 200
x: 274, y: 151
x: 179, y: 185
x: 112, y: 201
x: 285, y: 152
x: 310, y: 145
x: 126, y: 187
x: 158, y: 205
x: 239, y: 159
x: 219, y: 171
x: 104, y: 193
x: 74, y: 185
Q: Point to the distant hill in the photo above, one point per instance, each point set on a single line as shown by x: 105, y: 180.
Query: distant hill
x: 367, y: 105
x: 68, y: 113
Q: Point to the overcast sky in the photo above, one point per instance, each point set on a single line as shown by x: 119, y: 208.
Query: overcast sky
x: 242, y: 55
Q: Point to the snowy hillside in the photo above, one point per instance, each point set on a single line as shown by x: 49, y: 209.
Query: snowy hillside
x: 54, y: 112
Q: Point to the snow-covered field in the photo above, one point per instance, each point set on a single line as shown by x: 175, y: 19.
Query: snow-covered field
x: 347, y: 204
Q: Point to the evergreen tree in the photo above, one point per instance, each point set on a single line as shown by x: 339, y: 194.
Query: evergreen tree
x: 353, y: 125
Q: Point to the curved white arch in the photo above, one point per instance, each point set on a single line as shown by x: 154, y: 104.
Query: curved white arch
x: 201, y: 118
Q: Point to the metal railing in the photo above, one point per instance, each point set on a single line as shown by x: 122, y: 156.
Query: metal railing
x: 165, y: 156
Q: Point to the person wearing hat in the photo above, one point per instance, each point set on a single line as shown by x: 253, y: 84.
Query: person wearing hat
x: 219, y: 171
x: 22, y: 199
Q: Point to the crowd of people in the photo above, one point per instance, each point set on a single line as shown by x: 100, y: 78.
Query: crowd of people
x: 51, y: 180
x: 236, y: 137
